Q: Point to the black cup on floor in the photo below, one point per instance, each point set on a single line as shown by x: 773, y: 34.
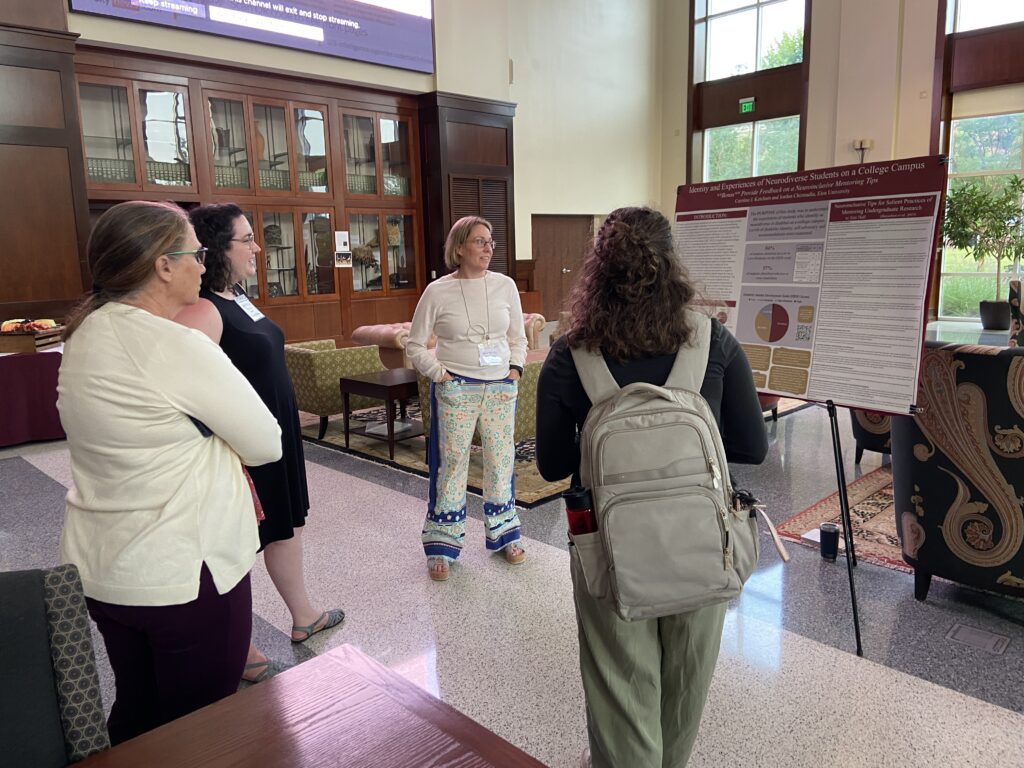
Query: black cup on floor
x: 828, y: 536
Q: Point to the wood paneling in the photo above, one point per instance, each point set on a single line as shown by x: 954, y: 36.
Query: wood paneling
x: 31, y: 97
x: 476, y: 144
x: 778, y: 93
x: 37, y: 14
x: 44, y: 213
x: 445, y: 121
x: 396, y: 309
x: 37, y: 219
x: 989, y: 57
x: 525, y: 274
x: 327, y: 320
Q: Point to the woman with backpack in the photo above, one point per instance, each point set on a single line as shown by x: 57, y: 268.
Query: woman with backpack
x: 645, y: 681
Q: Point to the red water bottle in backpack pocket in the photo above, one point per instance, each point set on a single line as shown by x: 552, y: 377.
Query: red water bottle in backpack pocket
x: 579, y: 510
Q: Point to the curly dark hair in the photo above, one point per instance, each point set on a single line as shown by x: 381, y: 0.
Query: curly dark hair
x: 215, y: 226
x: 630, y: 298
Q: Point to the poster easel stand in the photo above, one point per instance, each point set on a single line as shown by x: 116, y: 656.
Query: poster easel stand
x: 844, y: 510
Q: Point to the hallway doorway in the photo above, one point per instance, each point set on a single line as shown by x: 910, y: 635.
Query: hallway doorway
x: 559, y: 244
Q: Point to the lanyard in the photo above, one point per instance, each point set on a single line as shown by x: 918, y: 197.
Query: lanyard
x: 475, y: 329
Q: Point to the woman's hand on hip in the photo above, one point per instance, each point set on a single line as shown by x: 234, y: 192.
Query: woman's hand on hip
x: 513, y: 374
x: 447, y: 377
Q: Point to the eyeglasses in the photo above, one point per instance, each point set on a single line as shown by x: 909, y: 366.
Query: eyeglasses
x: 248, y: 239
x: 479, y: 242
x: 199, y: 254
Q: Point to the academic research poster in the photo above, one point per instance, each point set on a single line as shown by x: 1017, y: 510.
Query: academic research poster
x: 822, y: 275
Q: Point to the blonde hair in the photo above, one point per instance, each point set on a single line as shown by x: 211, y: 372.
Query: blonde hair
x: 457, y: 238
x: 125, y: 243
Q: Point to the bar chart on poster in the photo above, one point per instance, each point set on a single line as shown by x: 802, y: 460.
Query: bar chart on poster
x: 821, y: 275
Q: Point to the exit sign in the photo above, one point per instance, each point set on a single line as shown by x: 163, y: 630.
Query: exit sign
x: 747, y: 106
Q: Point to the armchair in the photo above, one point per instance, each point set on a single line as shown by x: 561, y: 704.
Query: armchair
x: 871, y: 431
x: 958, y: 469
x: 315, y: 368
x: 51, y: 712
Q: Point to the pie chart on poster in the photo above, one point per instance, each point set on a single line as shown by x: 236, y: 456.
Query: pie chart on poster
x: 772, y: 322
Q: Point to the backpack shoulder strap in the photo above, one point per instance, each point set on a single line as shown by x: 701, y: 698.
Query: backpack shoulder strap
x: 692, y: 360
x: 597, y: 380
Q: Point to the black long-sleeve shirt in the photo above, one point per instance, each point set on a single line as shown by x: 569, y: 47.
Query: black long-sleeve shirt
x: 563, y: 405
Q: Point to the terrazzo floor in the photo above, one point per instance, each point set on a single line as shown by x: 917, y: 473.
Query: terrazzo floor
x: 498, y: 642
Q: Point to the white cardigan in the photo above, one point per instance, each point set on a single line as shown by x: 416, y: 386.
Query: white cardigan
x: 152, y: 498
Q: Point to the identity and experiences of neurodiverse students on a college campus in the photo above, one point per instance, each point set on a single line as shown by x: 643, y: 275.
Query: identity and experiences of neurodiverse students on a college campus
x: 822, y: 275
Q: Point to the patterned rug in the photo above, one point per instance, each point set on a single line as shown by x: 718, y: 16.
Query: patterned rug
x: 531, y: 488
x: 872, y: 515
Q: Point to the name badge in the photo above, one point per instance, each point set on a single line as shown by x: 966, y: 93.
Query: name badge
x: 493, y: 352
x: 248, y: 307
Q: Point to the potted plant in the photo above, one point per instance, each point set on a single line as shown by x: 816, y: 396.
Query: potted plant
x: 983, y: 222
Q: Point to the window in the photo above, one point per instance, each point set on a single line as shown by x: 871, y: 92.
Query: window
x: 734, y: 37
x: 751, y: 149
x: 987, y: 150
x: 965, y: 15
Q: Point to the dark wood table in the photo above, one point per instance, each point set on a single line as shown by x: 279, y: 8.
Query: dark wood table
x: 398, y: 384
x: 340, y: 709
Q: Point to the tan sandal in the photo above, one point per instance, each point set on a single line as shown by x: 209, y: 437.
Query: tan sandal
x: 514, y: 557
x: 438, y: 569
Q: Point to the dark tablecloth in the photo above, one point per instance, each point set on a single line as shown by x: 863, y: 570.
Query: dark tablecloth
x: 28, y: 398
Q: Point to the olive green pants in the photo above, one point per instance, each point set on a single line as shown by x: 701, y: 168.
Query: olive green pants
x: 645, y: 681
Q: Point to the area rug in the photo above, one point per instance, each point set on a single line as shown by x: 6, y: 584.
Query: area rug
x: 871, y: 512
x: 788, y: 405
x: 531, y: 488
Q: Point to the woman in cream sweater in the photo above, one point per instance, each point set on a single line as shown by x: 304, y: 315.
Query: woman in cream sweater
x: 160, y: 519
x: 475, y: 369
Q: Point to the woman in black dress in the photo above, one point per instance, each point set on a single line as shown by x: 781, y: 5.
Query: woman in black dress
x: 255, y: 344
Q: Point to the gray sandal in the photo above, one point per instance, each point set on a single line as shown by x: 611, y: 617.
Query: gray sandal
x: 334, y: 618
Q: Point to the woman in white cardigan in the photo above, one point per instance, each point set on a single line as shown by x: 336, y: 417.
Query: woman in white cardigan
x: 160, y: 519
x: 474, y: 370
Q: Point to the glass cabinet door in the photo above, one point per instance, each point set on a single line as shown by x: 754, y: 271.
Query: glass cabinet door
x: 279, y: 254
x: 270, y: 135
x: 360, y: 156
x: 394, y: 156
x: 401, y: 251
x: 107, y: 133
x: 364, y: 234
x: 318, y: 253
x: 252, y: 284
x: 163, y: 115
x: 311, y: 137
x: 227, y: 134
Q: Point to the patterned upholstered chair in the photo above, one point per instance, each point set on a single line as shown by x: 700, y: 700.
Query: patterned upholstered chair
x: 316, y: 367
x: 51, y: 713
x: 871, y: 432
x: 958, y: 469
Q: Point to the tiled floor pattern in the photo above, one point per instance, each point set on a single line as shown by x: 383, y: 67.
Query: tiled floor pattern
x: 498, y: 642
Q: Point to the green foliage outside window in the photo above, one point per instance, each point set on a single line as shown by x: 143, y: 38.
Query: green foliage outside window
x: 788, y: 49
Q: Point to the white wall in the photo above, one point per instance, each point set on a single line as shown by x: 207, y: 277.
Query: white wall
x: 588, y: 122
x: 872, y: 65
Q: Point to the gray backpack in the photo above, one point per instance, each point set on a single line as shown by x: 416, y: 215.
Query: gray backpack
x: 672, y: 536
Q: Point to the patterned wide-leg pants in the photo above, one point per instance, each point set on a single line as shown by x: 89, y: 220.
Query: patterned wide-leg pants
x: 457, y: 407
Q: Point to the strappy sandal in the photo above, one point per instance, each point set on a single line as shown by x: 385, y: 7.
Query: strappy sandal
x: 334, y: 618
x: 517, y: 557
x: 438, y: 574
x: 270, y: 668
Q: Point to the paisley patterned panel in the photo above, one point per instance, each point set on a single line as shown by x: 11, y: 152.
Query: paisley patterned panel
x: 1016, y: 322
x: 871, y: 429
x: 982, y: 524
x: 954, y: 418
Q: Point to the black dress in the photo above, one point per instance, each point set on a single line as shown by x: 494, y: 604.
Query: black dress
x: 257, y: 350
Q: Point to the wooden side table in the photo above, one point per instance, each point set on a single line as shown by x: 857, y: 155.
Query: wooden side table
x: 398, y: 384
